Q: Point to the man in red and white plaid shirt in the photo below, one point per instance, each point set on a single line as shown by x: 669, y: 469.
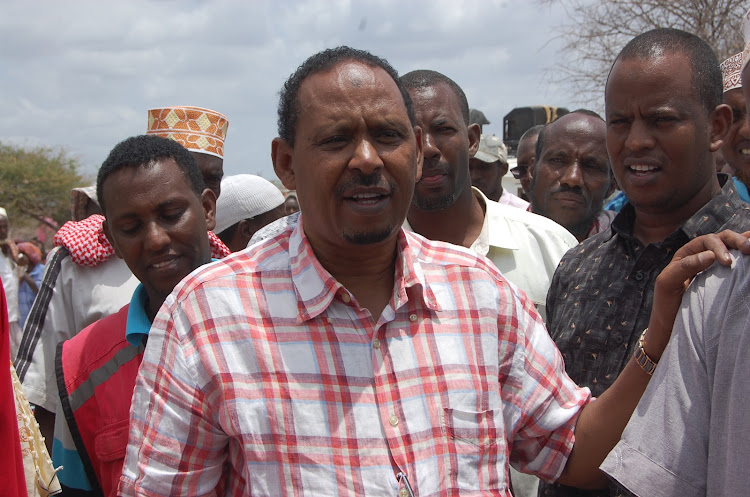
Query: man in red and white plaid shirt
x: 345, y: 356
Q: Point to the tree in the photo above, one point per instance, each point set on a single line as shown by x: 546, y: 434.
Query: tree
x: 36, y: 183
x: 595, y: 32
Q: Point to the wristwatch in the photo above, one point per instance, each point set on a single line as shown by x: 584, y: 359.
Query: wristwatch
x: 644, y: 361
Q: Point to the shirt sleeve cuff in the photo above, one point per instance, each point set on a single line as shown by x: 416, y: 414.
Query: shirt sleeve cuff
x: 643, y: 476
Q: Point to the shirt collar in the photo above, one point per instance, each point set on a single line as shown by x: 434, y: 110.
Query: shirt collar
x: 316, y: 288
x: 409, y: 271
x: 709, y: 219
x: 499, y: 236
x: 138, y: 324
x: 495, y: 230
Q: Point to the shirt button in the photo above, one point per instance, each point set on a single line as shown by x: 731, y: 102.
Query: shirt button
x: 618, y: 338
x: 376, y: 344
x: 346, y: 298
x: 639, y: 276
x: 403, y: 493
x: 393, y: 420
x: 413, y: 317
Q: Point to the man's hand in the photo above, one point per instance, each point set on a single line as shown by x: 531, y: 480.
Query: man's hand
x: 601, y: 422
x: 695, y: 256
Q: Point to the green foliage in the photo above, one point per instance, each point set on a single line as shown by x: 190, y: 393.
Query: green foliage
x: 35, y: 182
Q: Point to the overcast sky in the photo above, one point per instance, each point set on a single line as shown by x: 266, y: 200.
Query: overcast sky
x: 81, y: 75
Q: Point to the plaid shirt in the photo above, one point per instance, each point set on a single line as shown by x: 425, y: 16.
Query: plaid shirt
x: 275, y: 382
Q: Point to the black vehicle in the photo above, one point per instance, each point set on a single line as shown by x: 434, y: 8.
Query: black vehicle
x: 520, y: 119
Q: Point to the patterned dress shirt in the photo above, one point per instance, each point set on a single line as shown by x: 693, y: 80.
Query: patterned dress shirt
x: 262, y: 376
x: 601, y: 295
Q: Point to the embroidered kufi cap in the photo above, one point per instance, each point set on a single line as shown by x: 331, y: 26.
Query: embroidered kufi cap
x: 731, y: 70
x: 195, y: 128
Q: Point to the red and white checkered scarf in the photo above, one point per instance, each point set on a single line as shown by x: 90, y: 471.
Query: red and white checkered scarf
x: 88, y: 246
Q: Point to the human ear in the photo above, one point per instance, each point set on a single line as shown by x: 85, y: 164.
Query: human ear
x: 208, y: 201
x: 108, y: 236
x: 420, y: 148
x: 281, y: 156
x: 247, y: 229
x: 474, y: 135
x: 613, y: 186
x: 721, y: 120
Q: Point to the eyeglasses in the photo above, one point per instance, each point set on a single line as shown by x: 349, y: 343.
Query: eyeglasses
x: 519, y: 172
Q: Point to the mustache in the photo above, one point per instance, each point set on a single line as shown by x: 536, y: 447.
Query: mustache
x: 434, y: 164
x: 360, y: 179
x: 570, y: 189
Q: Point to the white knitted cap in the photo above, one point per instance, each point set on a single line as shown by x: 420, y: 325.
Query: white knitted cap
x: 244, y: 196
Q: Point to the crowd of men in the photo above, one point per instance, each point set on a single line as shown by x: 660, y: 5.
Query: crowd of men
x: 401, y: 324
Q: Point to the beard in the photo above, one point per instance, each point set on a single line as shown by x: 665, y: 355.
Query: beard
x: 432, y: 203
x: 375, y: 179
x: 368, y: 238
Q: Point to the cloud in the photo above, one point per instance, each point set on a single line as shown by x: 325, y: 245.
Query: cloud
x: 81, y: 75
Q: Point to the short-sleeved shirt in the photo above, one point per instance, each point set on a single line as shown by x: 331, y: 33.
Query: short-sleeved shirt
x: 600, y: 299
x: 689, y: 435
x: 279, y: 383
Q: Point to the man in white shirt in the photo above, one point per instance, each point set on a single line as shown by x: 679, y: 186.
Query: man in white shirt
x: 525, y: 247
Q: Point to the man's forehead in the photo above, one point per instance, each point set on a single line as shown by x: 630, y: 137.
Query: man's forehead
x: 355, y: 74
x: 344, y: 75
x: 349, y: 89
x: 586, y: 135
x: 665, y: 64
x: 166, y: 167
x: 441, y: 97
x: 577, y: 124
x: 528, y: 141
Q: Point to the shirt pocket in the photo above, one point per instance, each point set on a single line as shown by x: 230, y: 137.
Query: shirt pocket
x: 110, y: 445
x: 477, y: 450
